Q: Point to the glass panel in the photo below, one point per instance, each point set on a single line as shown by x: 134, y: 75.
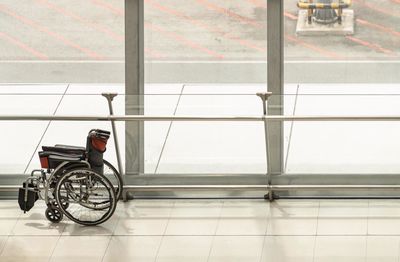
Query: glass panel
x: 343, y: 69
x: 62, y: 41
x: 170, y: 147
x: 205, y: 41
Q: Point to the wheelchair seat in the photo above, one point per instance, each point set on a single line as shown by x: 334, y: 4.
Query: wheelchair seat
x: 79, y: 148
x: 51, y: 159
x: 63, y: 149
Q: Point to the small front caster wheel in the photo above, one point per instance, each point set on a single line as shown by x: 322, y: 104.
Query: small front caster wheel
x: 64, y: 202
x: 54, y: 214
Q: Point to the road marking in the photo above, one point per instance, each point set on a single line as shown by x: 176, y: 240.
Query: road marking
x: 173, y: 35
x: 313, y: 47
x: 110, y: 7
x: 84, y: 21
x: 47, y: 31
x: 104, y: 29
x: 183, y: 40
x: 258, y: 3
x: 23, y: 46
x: 213, y: 29
x: 378, y: 27
x: 229, y: 13
x: 377, y: 8
x: 372, y: 46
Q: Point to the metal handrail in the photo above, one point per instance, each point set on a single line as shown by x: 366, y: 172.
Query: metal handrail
x: 263, y: 118
x: 281, y: 118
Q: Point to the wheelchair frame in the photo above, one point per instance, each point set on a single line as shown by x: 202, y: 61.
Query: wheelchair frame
x: 41, y: 186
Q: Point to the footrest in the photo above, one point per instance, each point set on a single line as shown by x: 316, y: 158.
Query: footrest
x: 27, y: 197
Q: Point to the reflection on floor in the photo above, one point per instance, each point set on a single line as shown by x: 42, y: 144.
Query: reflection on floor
x: 211, y: 230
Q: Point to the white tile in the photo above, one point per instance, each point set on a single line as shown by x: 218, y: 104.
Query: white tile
x: 105, y: 229
x: 196, y: 208
x: 293, y: 218
x: 80, y: 248
x: 147, y: 226
x: 3, y: 240
x: 132, y: 248
x: 192, y: 226
x: 238, y: 248
x: 294, y: 208
x: 184, y: 248
x: 144, y: 208
x: 6, y: 226
x: 9, y: 214
x: 343, y: 218
x: 10, y: 209
x: 35, y: 223
x: 242, y: 226
x: 340, y: 248
x: 28, y: 248
x: 292, y: 226
x: 144, y: 218
x: 288, y: 249
x: 384, y: 217
x: 194, y: 218
x: 383, y: 248
x: 244, y: 218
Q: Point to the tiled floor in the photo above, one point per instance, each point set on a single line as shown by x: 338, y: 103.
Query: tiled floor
x: 210, y: 230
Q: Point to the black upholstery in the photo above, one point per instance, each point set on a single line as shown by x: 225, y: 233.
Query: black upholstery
x: 65, y: 150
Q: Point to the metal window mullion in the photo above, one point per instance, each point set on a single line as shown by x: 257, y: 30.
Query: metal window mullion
x: 275, y: 76
x: 134, y: 85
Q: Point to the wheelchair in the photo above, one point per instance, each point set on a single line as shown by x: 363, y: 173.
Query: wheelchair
x: 75, y: 181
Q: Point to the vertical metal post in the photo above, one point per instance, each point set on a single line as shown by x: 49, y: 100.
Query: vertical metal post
x: 134, y: 85
x: 264, y: 98
x: 275, y: 49
x: 110, y: 97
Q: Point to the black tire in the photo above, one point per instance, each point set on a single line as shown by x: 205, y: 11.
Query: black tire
x: 90, y: 196
x: 114, y: 176
x: 64, y: 202
x: 54, y: 214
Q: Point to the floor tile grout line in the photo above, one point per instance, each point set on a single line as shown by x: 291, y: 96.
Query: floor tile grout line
x: 4, y: 246
x: 165, y: 230
x: 47, y: 127
x: 215, y: 232
x: 108, y: 245
x: 368, y: 217
x: 291, y: 128
x: 316, y: 230
x: 366, y: 248
x: 169, y: 129
x: 54, y: 249
x: 318, y: 214
x: 398, y: 250
x: 15, y: 224
x: 266, y: 231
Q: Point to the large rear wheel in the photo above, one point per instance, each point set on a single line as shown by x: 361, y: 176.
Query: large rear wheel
x: 86, y: 197
x: 114, y: 176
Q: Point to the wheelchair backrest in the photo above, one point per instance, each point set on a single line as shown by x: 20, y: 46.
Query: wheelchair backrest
x: 97, y: 139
